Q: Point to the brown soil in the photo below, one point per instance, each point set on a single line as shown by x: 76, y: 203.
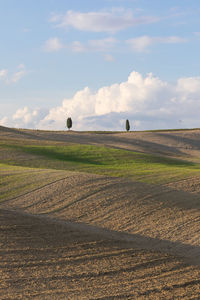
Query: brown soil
x: 94, y: 237
x: 46, y: 259
x: 150, y: 211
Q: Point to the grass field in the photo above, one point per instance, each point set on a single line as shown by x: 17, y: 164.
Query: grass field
x: 144, y: 167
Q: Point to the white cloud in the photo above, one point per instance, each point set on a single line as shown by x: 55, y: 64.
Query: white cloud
x: 99, y: 45
x: 5, y: 121
x: 53, y: 45
x: 172, y: 40
x: 3, y: 74
x: 141, y: 44
x: 148, y: 102
x: 19, y: 74
x: 189, y: 86
x: 25, y: 118
x: 77, y: 46
x: 100, y: 21
x: 23, y: 114
x: 55, y: 17
x: 15, y: 77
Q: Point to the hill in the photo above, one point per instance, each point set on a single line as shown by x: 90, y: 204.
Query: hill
x: 100, y: 215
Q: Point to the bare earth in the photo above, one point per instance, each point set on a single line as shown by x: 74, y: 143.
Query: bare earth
x: 94, y: 237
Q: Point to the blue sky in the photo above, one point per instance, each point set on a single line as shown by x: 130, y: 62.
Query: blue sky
x: 51, y: 49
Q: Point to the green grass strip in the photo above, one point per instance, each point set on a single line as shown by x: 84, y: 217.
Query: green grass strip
x: 100, y: 160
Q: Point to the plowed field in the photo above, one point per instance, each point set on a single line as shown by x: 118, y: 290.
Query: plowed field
x: 95, y: 226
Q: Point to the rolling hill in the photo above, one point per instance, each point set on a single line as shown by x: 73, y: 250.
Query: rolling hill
x: 99, y: 215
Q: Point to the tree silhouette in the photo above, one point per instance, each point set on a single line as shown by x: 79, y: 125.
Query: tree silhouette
x: 127, y: 125
x: 69, y: 123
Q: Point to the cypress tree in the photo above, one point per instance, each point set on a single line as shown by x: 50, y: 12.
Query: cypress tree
x: 127, y: 125
x: 69, y: 123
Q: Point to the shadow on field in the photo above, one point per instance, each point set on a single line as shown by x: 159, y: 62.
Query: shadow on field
x: 22, y: 133
x: 143, y: 146
x: 49, y: 229
x: 192, y: 143
x: 102, y: 139
x: 90, y: 156
x: 54, y: 154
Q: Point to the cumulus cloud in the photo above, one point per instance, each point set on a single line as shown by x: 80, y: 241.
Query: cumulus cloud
x: 148, y: 102
x: 25, y: 118
x: 100, y: 21
x: 141, y: 44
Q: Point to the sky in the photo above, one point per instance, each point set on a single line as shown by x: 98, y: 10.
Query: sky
x: 100, y: 62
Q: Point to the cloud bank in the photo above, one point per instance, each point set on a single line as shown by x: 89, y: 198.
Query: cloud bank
x: 148, y: 102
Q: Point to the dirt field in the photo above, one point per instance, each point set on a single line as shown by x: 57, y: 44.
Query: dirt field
x: 44, y: 259
x: 86, y: 236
